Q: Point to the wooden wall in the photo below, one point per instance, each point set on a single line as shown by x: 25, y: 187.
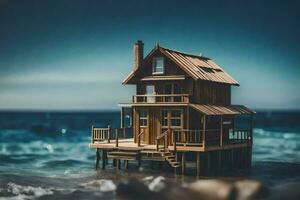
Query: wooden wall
x: 211, y: 93
x: 154, y: 122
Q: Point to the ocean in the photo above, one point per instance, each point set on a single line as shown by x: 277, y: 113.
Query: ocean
x: 45, y: 155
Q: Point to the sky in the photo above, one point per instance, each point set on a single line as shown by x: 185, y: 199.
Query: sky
x: 73, y: 55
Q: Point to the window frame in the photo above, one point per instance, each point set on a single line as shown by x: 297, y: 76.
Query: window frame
x: 143, y: 118
x: 154, y: 65
x: 169, y: 118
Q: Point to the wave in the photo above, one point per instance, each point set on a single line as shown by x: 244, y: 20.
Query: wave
x: 103, y: 185
x: 62, y: 163
x: 19, y: 192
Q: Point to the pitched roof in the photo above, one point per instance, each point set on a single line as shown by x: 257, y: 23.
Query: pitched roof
x: 198, y: 67
x: 208, y: 109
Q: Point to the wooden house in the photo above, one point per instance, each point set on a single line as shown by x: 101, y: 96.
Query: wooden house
x: 182, y: 106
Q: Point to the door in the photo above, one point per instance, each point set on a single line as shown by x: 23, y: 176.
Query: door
x: 150, y: 92
x: 143, y: 126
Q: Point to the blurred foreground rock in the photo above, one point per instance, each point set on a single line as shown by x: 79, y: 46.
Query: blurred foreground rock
x: 212, y: 190
x: 156, y: 188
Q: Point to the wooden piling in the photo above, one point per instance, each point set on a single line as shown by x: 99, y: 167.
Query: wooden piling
x: 198, y: 163
x: 104, y: 157
x: 126, y: 162
x: 97, y: 159
x: 118, y: 164
x: 183, y: 162
x: 208, y: 162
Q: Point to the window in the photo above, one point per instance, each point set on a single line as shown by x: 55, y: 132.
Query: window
x: 158, y: 65
x: 165, y: 118
x: 143, y: 118
x: 175, y: 118
x: 172, y: 88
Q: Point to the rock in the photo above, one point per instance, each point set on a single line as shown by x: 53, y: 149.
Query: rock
x: 157, y: 184
x: 250, y: 190
x: 290, y: 191
x: 133, y: 189
x: 212, y: 190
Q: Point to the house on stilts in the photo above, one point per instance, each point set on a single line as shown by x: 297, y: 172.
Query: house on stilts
x: 181, y: 113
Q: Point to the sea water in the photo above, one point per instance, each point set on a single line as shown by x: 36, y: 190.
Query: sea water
x: 45, y: 155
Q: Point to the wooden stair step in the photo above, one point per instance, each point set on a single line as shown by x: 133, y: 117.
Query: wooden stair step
x: 175, y: 165
x: 122, y: 153
x: 169, y: 157
x: 128, y: 149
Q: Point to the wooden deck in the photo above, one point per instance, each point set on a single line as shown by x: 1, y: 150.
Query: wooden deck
x: 129, y: 144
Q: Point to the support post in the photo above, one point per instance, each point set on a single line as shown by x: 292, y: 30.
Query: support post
x: 97, y: 159
x: 251, y: 143
x: 204, y: 127
x: 208, y: 162
x: 117, y: 137
x: 118, y: 164
x: 221, y: 131
x: 183, y: 162
x: 198, y: 163
x: 104, y: 157
x: 219, y: 160
x: 109, y: 133
x: 92, y: 135
x: 174, y: 141
x: 122, y: 117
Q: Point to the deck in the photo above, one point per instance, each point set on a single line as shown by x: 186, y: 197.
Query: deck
x: 130, y: 144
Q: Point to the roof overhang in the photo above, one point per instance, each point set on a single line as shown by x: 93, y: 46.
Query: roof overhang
x: 207, y: 109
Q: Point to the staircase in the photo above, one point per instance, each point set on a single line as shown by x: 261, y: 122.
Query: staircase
x: 170, y: 157
x: 137, y: 154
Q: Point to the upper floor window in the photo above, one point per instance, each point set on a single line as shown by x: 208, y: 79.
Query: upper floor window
x: 158, y: 65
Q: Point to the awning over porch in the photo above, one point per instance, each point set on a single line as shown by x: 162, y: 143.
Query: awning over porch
x: 208, y: 109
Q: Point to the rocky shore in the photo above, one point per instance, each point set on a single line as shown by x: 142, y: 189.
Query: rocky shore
x: 208, y: 189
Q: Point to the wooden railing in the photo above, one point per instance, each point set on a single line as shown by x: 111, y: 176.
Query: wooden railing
x: 122, y: 133
x: 188, y: 137
x: 161, y: 98
x: 239, y: 136
x: 101, y: 134
x: 164, y: 138
x: 140, y: 135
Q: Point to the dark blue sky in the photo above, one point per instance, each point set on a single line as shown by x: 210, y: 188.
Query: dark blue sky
x: 74, y: 54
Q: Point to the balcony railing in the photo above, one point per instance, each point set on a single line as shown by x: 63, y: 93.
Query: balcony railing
x: 161, y: 98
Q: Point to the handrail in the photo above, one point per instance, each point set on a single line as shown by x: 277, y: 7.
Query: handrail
x: 100, y: 134
x: 164, y: 135
x: 160, y: 98
x: 139, y: 137
x: 161, y: 95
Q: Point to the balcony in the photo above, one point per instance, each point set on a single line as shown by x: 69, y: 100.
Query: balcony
x: 161, y: 98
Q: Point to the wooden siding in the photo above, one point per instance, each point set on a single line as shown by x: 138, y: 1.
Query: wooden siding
x: 211, y: 93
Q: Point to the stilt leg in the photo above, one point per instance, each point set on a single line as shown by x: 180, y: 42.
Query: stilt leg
x: 198, y: 163
x: 208, y: 163
x: 118, y: 164
x: 103, y: 158
x: 219, y: 161
x: 183, y: 162
x: 97, y: 159
x: 126, y: 164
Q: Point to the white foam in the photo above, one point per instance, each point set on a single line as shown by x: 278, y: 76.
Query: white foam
x: 157, y: 184
x: 25, y: 192
x: 102, y: 185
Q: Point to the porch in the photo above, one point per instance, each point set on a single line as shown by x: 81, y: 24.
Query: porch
x: 174, y: 140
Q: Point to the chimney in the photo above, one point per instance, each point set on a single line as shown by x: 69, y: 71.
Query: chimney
x: 138, y: 49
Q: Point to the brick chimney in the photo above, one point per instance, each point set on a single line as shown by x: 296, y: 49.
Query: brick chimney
x: 138, y: 49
